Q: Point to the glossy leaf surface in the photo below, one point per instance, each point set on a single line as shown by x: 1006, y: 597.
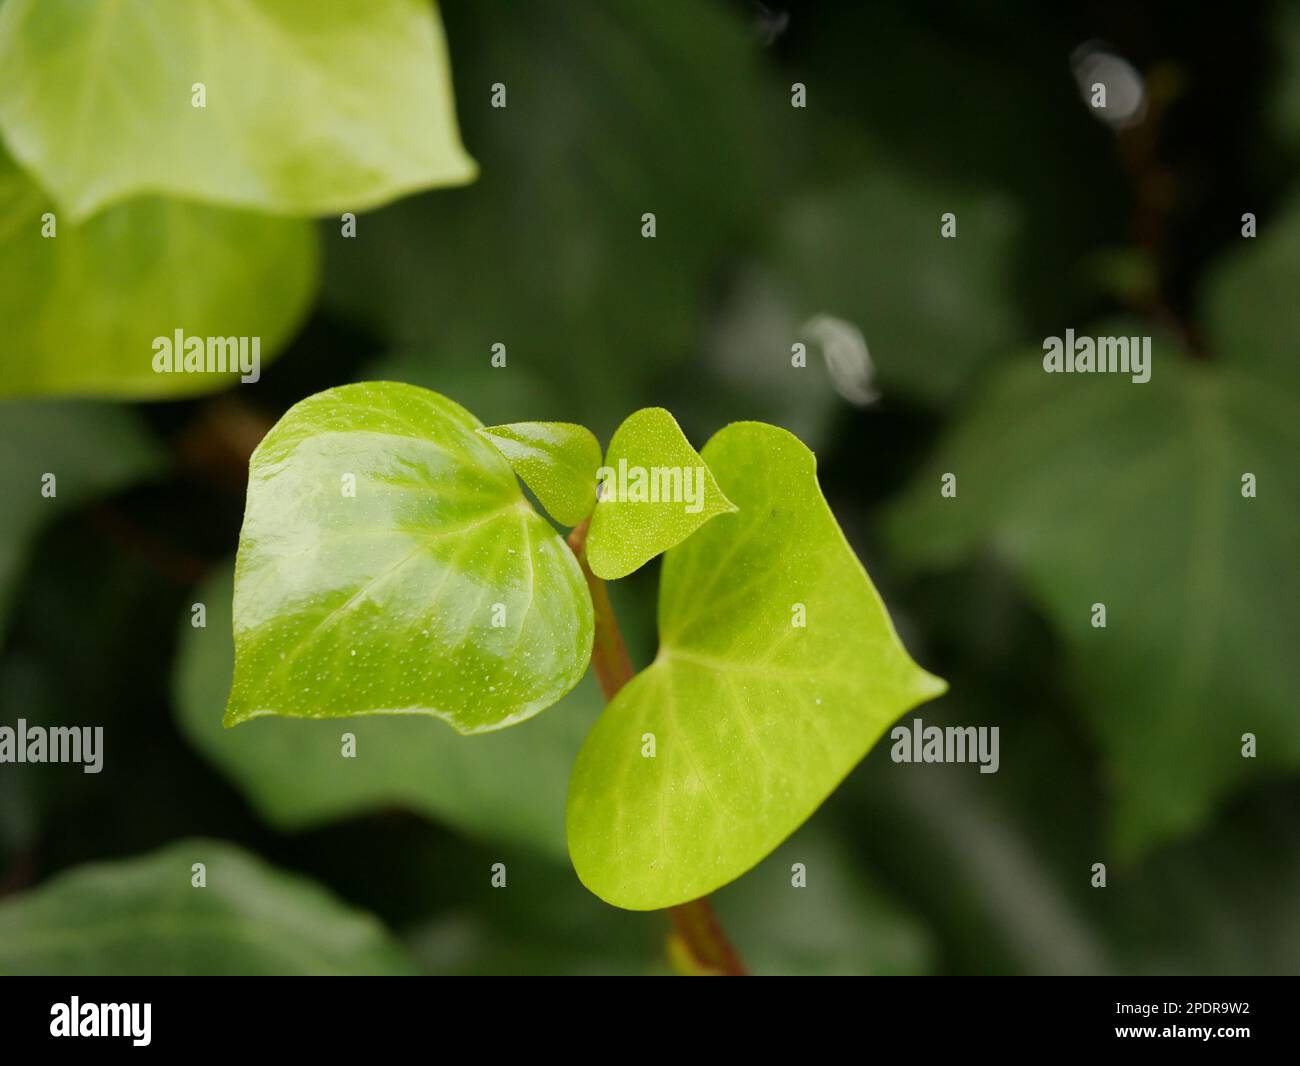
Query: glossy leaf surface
x: 389, y: 564
x: 756, y: 718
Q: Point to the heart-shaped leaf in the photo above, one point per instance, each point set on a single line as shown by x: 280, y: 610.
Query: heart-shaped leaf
x: 389, y: 564
x: 84, y: 304
x: 778, y: 669
x: 144, y: 916
x: 286, y: 106
x: 557, y: 460
x: 654, y: 491
x: 296, y: 775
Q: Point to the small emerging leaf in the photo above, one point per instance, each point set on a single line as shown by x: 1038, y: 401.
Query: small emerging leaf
x: 655, y: 491
x: 389, y: 564
x: 778, y: 669
x: 286, y: 106
x: 557, y: 460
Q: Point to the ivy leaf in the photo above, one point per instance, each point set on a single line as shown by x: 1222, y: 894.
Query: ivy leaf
x: 1129, y: 495
x: 505, y: 786
x: 82, y: 308
x: 389, y: 564
x: 557, y: 460
x: 142, y: 916
x: 655, y: 491
x: 1249, y: 302
x: 91, y: 449
x: 307, y: 108
x: 755, y: 718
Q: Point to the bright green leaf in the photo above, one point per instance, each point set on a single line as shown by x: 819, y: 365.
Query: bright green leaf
x: 505, y: 786
x: 756, y: 718
x: 1252, y: 316
x: 655, y: 492
x: 1102, y: 491
x: 82, y: 308
x: 90, y: 449
x: 143, y: 917
x: 308, y: 108
x: 557, y: 460
x: 389, y: 564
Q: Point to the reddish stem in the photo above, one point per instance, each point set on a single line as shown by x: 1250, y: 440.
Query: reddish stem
x: 609, y: 656
x: 695, y: 923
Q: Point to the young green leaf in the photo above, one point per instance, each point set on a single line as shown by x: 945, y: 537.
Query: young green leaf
x: 389, y: 564
x: 83, y: 305
x: 778, y: 669
x: 297, y: 775
x: 655, y: 491
x: 286, y: 106
x: 143, y: 916
x: 557, y: 460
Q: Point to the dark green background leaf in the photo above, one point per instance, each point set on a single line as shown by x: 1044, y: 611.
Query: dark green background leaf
x: 507, y: 786
x: 142, y: 917
x: 1099, y: 490
x: 544, y: 253
x: 92, y: 450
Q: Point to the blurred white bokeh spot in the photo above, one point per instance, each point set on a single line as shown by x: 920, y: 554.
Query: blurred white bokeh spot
x: 848, y: 360
x: 1126, y: 93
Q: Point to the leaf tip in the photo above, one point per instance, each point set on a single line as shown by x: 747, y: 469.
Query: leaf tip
x: 928, y: 686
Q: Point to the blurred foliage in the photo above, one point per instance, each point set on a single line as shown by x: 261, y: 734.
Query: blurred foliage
x: 143, y: 916
x: 612, y: 113
x: 1285, y: 95
x: 99, y: 102
x: 1252, y: 317
x: 509, y: 785
x: 112, y: 284
x: 58, y: 456
x: 937, y: 308
x: 1104, y: 491
x: 1118, y: 746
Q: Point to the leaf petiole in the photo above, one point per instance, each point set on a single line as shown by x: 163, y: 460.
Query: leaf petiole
x: 697, y: 934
